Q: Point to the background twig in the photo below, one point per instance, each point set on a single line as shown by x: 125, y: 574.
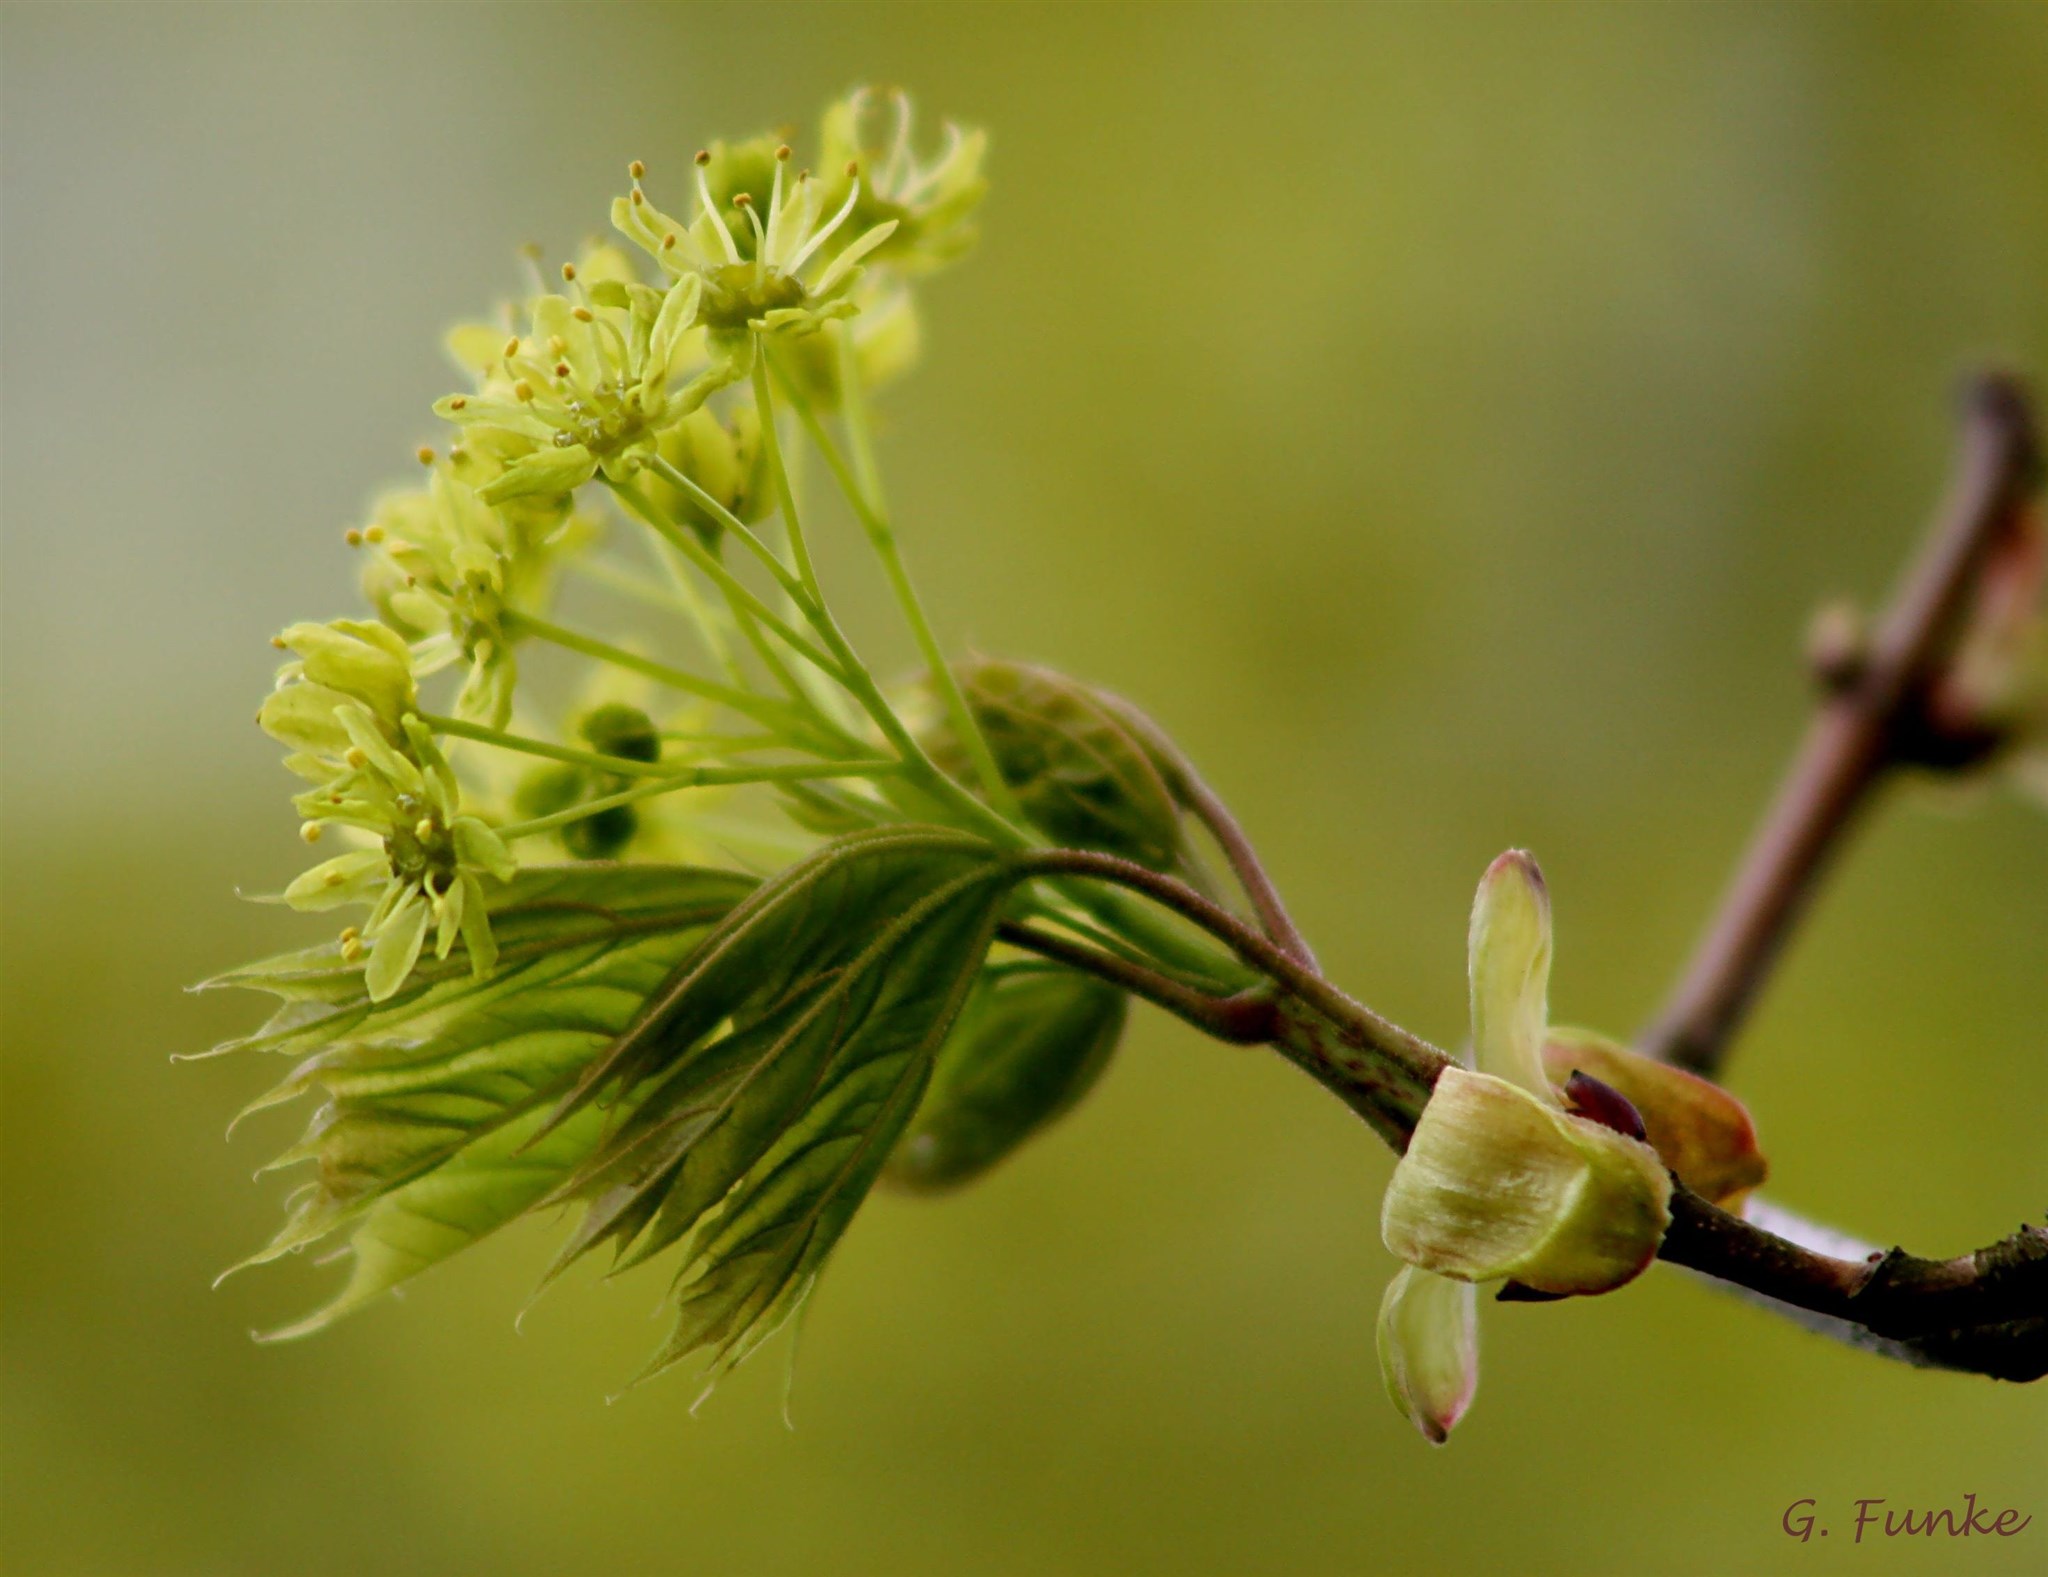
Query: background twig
x: 1866, y: 728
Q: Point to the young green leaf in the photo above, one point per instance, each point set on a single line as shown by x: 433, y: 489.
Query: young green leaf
x: 433, y: 1096
x: 1030, y: 1043
x: 772, y: 1076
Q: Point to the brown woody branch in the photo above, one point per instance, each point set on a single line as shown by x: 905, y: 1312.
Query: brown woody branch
x: 1875, y: 719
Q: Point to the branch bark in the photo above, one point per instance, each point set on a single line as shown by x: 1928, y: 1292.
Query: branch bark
x: 1874, y: 721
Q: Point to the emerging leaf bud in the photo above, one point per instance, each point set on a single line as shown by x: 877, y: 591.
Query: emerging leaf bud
x: 1500, y: 1183
x: 1078, y: 768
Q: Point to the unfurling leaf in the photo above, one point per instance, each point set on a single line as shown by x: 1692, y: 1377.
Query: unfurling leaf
x: 1029, y: 1044
x: 433, y: 1095
x: 770, y: 1077
x: 1079, y: 770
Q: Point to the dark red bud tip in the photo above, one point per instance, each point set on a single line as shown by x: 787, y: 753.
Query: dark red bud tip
x: 1516, y: 1292
x: 1605, y: 1105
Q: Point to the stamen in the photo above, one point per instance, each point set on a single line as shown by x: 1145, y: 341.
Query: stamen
x: 568, y: 273
x: 776, y: 208
x: 703, y: 157
x: 745, y: 204
x: 373, y: 533
x: 511, y: 348
x: 423, y: 829
x: 581, y: 314
x: 522, y: 390
x: 424, y: 455
x: 636, y: 169
x: 310, y: 832
x: 821, y: 236
x: 732, y: 252
x: 561, y: 369
x: 460, y: 402
x: 352, y: 537
x: 354, y: 757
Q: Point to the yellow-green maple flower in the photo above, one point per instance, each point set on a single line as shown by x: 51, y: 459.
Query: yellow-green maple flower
x: 931, y: 202
x: 346, y: 709
x: 588, y: 387
x: 778, y: 274
x: 1500, y: 1180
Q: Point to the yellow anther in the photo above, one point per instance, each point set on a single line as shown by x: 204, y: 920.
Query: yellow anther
x: 373, y: 533
x: 636, y: 169
x: 639, y: 197
x: 511, y: 348
x: 310, y: 831
x: 460, y: 402
x: 522, y: 390
x: 424, y: 455
x: 581, y: 314
x: 352, y: 537
x: 668, y: 241
x: 333, y: 879
x: 853, y: 167
x: 561, y: 369
x: 277, y: 641
x: 782, y: 153
x: 352, y: 948
x: 568, y: 272
x: 744, y: 200
x: 350, y: 933
x: 703, y: 155
x: 354, y: 756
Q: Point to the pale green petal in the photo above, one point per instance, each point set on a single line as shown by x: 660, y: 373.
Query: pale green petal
x: 1428, y: 1341
x: 1509, y: 953
x: 355, y: 877
x: 397, y: 947
x: 552, y: 469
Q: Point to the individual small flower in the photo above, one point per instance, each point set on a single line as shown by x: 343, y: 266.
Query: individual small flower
x: 588, y: 388
x: 444, y: 565
x: 931, y: 202
x: 778, y: 274
x: 345, y: 707
x: 1500, y: 1179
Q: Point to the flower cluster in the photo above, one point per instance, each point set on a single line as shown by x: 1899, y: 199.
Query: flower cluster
x: 639, y: 377
x: 346, y: 708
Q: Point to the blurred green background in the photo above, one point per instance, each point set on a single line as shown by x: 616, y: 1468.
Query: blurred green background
x: 1442, y: 417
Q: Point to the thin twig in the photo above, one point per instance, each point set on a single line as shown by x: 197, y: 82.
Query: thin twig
x: 1246, y: 1019
x: 1862, y: 733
